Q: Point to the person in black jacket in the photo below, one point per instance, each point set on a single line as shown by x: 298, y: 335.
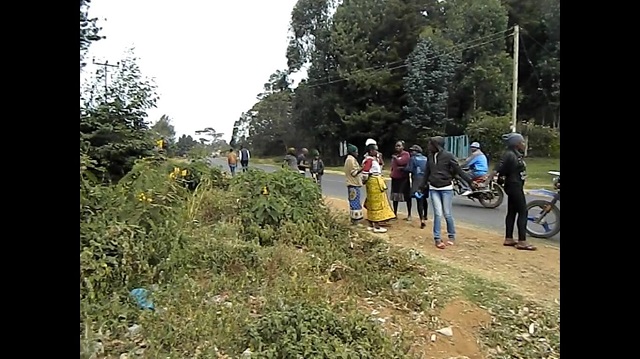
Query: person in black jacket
x: 512, y: 171
x: 442, y: 166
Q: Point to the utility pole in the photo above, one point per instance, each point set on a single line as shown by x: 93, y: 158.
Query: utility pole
x: 106, y: 66
x: 514, y: 94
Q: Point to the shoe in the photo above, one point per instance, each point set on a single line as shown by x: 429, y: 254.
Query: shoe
x: 380, y: 230
x: 408, y: 219
x: 370, y: 228
x: 466, y: 193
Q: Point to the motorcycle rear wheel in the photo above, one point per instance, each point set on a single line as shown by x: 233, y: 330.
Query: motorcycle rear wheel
x: 554, y: 209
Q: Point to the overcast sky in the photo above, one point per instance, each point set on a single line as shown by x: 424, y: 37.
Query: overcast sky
x: 209, y: 58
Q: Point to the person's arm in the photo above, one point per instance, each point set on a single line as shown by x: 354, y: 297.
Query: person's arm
x: 366, y: 166
x: 353, y: 167
x: 248, y: 156
x: 410, y: 166
x: 425, y: 179
x: 471, y: 160
x: 403, y: 159
x: 320, y: 167
x: 502, y: 167
x: 458, y: 170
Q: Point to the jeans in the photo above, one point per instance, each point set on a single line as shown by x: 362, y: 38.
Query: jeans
x: 232, y: 169
x: 441, y: 202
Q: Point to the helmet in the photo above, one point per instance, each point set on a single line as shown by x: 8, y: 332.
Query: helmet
x: 475, y: 145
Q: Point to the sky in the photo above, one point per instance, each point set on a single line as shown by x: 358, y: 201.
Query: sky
x: 209, y: 58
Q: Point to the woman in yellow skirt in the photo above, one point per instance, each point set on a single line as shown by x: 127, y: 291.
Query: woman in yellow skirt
x: 376, y: 203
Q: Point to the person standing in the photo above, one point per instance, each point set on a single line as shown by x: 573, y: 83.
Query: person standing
x: 290, y: 160
x: 417, y: 167
x: 317, y: 167
x: 441, y: 167
x: 400, y: 183
x: 302, y: 161
x: 352, y: 171
x: 244, y: 158
x: 232, y: 161
x: 377, y: 202
x: 512, y: 170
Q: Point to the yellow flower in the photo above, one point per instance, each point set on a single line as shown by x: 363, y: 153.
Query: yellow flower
x: 172, y: 175
x: 142, y: 197
x: 149, y: 199
x: 183, y: 173
x: 176, y: 170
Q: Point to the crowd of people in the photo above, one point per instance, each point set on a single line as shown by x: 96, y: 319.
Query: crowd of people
x: 426, y: 177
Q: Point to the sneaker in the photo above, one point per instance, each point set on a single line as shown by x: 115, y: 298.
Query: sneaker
x: 466, y: 193
x: 440, y: 245
x: 370, y: 228
x: 408, y: 219
x: 380, y: 230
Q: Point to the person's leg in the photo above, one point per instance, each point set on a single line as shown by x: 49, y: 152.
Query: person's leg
x: 447, y: 207
x: 520, y: 202
x: 319, y: 180
x: 466, y: 186
x: 406, y: 193
x: 232, y: 169
x: 436, y: 203
x: 510, y: 218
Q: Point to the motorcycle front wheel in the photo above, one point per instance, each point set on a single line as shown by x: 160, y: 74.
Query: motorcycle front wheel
x: 537, y: 217
x: 492, y: 199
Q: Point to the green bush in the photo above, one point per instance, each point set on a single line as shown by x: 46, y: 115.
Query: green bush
x: 308, y: 331
x: 543, y: 141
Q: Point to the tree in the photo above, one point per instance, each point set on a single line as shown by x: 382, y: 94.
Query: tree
x: 89, y: 30
x: 113, y: 126
x: 431, y: 68
x: 184, y: 145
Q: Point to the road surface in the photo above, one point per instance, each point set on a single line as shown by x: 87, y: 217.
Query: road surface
x: 464, y: 210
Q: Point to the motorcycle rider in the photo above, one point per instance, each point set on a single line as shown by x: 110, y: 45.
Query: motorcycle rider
x: 477, y: 164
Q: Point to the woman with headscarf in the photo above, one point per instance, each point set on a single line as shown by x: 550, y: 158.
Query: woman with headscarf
x: 352, y: 171
x: 417, y: 167
x: 512, y: 171
x: 376, y: 203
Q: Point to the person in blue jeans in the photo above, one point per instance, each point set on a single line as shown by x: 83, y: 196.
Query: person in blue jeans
x: 417, y: 167
x: 477, y: 165
x: 442, y: 166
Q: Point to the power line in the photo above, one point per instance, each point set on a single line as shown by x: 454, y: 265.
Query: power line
x: 106, y: 66
x: 538, y: 43
x: 535, y: 73
x: 458, y: 48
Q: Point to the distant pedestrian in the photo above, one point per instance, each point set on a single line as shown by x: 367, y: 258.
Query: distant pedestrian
x: 232, y: 161
x: 302, y: 161
x: 317, y: 167
x: 290, y: 160
x: 417, y: 167
x: 377, y: 202
x: 352, y: 171
x: 400, y: 182
x: 244, y: 158
x: 513, y: 170
x: 441, y: 167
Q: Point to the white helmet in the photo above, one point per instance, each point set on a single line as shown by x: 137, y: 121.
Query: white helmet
x: 370, y: 141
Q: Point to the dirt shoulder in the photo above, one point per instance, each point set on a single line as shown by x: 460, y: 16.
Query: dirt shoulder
x: 534, y: 275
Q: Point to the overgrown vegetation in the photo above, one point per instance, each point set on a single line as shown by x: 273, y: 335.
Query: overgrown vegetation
x: 236, y: 269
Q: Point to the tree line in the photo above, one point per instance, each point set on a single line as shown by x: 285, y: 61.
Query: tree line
x: 410, y: 69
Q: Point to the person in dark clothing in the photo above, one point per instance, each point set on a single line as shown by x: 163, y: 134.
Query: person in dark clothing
x: 417, y: 167
x: 512, y: 172
x: 302, y: 161
x: 442, y: 166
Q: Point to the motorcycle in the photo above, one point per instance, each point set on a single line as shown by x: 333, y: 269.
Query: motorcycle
x: 546, y: 207
x: 490, y: 195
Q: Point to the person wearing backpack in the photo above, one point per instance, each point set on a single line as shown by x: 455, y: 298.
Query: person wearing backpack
x: 244, y: 157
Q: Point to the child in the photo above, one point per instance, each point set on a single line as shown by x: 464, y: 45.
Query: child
x: 317, y: 167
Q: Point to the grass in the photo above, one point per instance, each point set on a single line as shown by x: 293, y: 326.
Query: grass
x: 274, y: 275
x: 537, y: 168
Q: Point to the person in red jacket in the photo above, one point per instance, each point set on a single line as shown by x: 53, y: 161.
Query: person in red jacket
x: 400, y: 183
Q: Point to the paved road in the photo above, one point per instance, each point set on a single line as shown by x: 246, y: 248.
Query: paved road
x: 464, y: 209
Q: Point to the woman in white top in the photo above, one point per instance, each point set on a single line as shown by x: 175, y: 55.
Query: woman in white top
x: 376, y: 203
